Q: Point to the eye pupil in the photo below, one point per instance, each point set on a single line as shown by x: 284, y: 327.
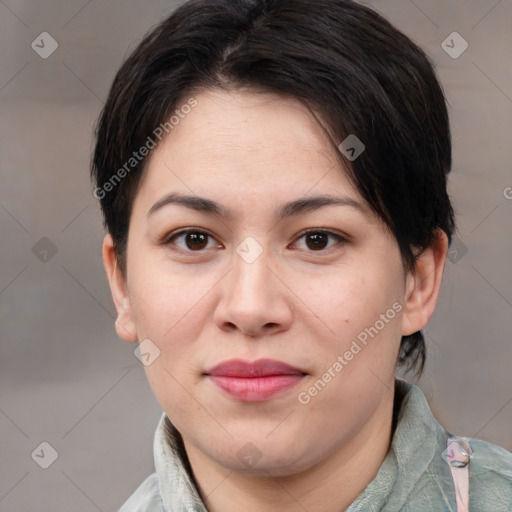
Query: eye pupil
x: 317, y: 241
x: 196, y: 240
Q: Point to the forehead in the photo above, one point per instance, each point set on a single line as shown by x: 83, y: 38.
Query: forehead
x: 244, y: 143
x: 252, y: 116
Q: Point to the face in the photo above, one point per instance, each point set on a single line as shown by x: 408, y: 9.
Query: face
x: 273, y: 293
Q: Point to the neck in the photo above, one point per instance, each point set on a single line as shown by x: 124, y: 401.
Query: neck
x: 330, y: 486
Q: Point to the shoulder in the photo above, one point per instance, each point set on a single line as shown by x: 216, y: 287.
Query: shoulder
x: 146, y: 498
x: 420, y: 437
x: 490, y: 477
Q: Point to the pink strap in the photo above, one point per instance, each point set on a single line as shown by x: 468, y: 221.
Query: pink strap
x: 457, y: 455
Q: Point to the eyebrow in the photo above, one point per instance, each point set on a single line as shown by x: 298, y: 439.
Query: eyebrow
x: 296, y: 207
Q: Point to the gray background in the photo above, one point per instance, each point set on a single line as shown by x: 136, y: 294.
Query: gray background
x: 67, y: 379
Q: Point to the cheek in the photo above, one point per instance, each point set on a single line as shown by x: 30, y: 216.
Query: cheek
x: 353, y: 299
x: 362, y: 311
x: 168, y: 304
x: 173, y: 389
x: 170, y: 308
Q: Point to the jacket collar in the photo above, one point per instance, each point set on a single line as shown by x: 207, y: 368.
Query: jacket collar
x: 416, y: 451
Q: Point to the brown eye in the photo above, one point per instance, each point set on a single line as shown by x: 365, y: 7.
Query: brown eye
x: 191, y: 240
x: 196, y: 241
x: 318, y: 240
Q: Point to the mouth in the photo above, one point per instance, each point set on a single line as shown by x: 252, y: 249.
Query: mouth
x: 255, y: 381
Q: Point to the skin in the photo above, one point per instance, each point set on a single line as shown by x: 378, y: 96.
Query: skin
x: 203, y: 304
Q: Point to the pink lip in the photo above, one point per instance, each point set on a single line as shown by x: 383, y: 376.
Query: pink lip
x: 254, y: 381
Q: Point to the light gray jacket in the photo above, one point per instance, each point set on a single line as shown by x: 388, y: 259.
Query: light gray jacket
x: 414, y: 477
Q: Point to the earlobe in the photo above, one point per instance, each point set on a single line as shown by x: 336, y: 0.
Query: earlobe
x: 423, y: 285
x: 125, y: 325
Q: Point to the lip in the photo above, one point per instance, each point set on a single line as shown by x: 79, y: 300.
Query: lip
x: 254, y: 381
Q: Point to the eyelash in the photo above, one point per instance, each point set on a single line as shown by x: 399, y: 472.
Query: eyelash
x: 168, y: 240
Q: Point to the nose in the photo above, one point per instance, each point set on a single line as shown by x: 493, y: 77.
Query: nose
x: 254, y: 300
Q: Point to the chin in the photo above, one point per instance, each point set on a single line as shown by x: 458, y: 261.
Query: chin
x: 275, y: 465
x: 275, y: 455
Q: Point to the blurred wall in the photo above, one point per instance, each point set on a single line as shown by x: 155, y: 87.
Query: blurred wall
x: 65, y: 377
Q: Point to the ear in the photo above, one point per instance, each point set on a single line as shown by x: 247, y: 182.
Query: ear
x: 423, y: 285
x: 125, y: 325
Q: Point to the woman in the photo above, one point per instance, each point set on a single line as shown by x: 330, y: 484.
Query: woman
x: 272, y: 175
